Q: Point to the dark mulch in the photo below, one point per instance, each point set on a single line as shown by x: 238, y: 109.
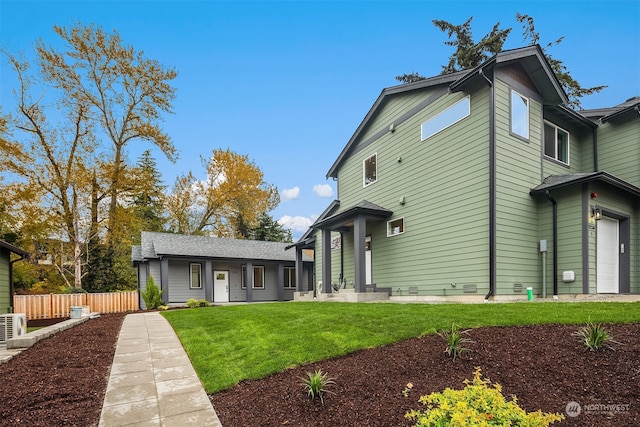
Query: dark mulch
x: 546, y: 367
x: 62, y: 380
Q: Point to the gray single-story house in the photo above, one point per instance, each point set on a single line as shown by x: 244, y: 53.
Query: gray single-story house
x: 220, y: 270
x: 6, y: 274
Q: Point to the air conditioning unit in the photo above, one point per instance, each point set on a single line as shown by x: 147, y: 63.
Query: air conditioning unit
x: 12, y: 325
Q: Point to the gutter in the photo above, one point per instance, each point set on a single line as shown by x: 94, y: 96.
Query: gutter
x: 492, y: 187
x: 555, y: 243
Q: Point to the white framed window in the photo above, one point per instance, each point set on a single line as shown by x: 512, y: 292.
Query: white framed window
x: 370, y: 170
x: 195, y: 271
x: 258, y: 277
x: 289, y: 278
x: 446, y: 118
x: 519, y: 114
x: 556, y: 143
x: 395, y: 227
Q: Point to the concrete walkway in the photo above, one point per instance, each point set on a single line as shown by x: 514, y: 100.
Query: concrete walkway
x: 152, y: 382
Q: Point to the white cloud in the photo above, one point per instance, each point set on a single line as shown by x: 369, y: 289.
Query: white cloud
x: 298, y: 224
x: 323, y: 190
x: 290, y: 193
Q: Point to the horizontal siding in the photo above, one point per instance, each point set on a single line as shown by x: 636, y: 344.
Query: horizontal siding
x: 619, y: 150
x: 179, y: 278
x: 444, y: 183
x: 517, y: 172
x: 4, y: 281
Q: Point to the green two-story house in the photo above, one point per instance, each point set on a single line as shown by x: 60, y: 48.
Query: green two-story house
x: 6, y: 274
x: 481, y: 184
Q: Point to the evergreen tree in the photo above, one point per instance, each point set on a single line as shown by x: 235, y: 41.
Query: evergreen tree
x: 469, y: 54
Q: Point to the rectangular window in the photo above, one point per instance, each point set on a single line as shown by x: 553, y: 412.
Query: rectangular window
x: 289, y: 278
x: 196, y: 276
x: 395, y: 227
x: 446, y: 118
x: 370, y: 170
x: 258, y: 277
x: 556, y: 143
x: 519, y: 114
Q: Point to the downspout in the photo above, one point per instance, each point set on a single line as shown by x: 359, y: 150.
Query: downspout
x: 555, y: 243
x: 492, y: 188
x: 341, y: 259
x: 11, y: 289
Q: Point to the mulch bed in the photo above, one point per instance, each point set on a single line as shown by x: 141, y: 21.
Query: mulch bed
x: 62, y: 380
x: 546, y: 367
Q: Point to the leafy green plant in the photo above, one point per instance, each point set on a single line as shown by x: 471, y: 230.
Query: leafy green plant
x: 195, y: 303
x: 316, y: 384
x: 476, y: 405
x: 595, y: 336
x: 152, y: 296
x: 455, y: 339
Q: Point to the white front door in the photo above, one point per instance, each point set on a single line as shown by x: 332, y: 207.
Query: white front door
x: 367, y: 260
x: 220, y: 286
x: 607, y: 254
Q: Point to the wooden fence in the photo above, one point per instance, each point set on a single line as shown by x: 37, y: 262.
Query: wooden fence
x: 59, y: 305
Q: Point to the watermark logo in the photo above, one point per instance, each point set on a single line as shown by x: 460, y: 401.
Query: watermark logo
x: 573, y: 409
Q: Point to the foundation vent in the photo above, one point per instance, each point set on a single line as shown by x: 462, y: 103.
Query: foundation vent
x: 469, y: 289
x: 517, y: 288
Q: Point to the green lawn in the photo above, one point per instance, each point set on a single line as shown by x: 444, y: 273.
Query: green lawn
x: 232, y: 343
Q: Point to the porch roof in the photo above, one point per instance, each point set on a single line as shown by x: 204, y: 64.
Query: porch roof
x: 554, y: 182
x: 346, y: 217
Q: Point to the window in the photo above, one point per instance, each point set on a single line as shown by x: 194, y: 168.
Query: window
x: 369, y: 170
x: 258, y: 277
x: 196, y: 276
x: 446, y: 118
x: 519, y: 115
x: 556, y: 143
x: 289, y: 278
x: 395, y: 227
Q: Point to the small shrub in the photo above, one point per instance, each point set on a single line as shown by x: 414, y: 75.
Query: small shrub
x: 194, y: 303
x: 152, y: 296
x: 455, y: 341
x: 476, y: 405
x: 595, y: 336
x: 316, y: 384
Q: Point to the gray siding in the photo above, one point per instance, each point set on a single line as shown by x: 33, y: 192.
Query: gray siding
x: 179, y: 279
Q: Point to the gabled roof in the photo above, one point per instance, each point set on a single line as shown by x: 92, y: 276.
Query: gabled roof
x: 157, y: 245
x: 554, y: 182
x: 531, y: 58
x: 606, y: 114
x: 12, y: 248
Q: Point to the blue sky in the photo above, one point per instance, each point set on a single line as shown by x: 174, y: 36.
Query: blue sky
x: 288, y: 82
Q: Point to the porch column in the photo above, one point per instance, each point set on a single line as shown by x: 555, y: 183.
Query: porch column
x: 164, y: 279
x: 248, y: 280
x: 326, y: 261
x: 280, y: 282
x: 208, y: 280
x: 299, y: 269
x: 359, y: 229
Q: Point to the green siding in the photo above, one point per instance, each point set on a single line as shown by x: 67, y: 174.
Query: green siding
x: 619, y: 150
x: 518, y: 164
x: 4, y: 281
x: 444, y: 181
